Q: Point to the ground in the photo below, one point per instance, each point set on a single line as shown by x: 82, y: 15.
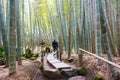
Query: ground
x: 30, y: 69
x: 27, y: 70
x: 90, y: 62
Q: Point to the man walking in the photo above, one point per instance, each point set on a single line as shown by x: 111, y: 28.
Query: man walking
x: 55, y: 45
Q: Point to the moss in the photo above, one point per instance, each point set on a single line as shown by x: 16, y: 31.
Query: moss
x: 33, y: 58
x: 47, y: 49
x: 42, y: 51
x: 42, y: 42
x: 28, y: 53
x: 82, y: 71
x: 65, y: 60
x: 23, y: 58
x: 98, y: 77
x: 35, y: 55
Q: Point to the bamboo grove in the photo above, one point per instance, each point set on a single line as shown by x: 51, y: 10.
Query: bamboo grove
x: 93, y: 25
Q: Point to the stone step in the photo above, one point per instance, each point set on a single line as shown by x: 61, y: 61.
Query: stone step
x: 77, y: 78
x: 69, y: 72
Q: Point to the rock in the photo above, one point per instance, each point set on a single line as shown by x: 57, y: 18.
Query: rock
x: 2, y: 61
x: 69, y: 72
x: 70, y: 60
x: 33, y: 58
x: 77, y: 78
x: 52, y: 73
x: 35, y: 55
x: 23, y: 58
x: 47, y: 50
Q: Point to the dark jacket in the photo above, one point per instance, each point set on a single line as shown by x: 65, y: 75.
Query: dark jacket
x: 55, y: 44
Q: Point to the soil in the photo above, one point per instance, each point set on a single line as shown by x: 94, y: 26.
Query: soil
x: 29, y: 70
x: 91, y: 63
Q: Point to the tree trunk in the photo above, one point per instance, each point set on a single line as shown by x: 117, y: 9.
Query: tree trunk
x: 12, y: 39
x: 19, y: 46
x: 4, y: 34
x: 118, y: 25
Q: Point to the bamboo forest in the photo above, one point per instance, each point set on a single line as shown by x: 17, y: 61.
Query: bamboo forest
x: 59, y: 39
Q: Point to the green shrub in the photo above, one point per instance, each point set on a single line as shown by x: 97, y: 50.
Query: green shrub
x: 98, y: 77
x: 82, y: 71
x: 2, y: 52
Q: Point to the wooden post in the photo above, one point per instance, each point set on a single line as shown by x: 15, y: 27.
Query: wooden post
x: 80, y: 58
x: 42, y: 62
x: 57, y: 53
x: 60, y: 48
x: 60, y: 55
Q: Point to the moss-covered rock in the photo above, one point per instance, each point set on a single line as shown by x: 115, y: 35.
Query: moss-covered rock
x: 35, y: 55
x: 82, y: 71
x: 33, y: 58
x: 42, y: 51
x: 47, y: 49
x: 98, y: 77
x: 23, y: 58
x: 28, y: 53
x: 42, y: 42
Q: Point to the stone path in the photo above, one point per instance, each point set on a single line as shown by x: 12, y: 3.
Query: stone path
x: 77, y: 78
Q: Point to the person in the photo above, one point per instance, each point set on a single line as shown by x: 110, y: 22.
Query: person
x: 55, y: 45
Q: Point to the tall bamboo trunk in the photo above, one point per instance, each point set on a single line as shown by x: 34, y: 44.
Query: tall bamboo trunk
x: 31, y: 28
x: 105, y: 38
x: 69, y: 28
x: 12, y: 39
x: 64, y: 26
x: 109, y: 26
x: 60, y: 29
x: 98, y: 32
x: 22, y: 27
x: 118, y: 25
x: 19, y: 53
x: 3, y: 30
